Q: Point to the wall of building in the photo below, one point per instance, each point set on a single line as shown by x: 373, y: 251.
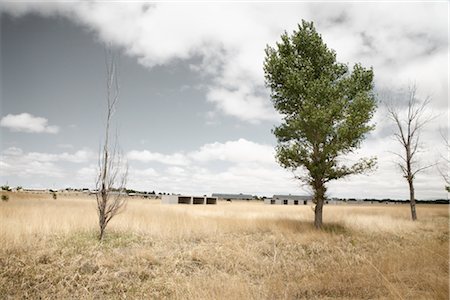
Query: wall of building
x: 286, y: 202
x: 194, y: 200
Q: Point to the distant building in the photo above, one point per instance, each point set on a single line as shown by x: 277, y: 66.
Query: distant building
x: 233, y: 196
x: 289, y: 200
x: 143, y: 195
x: 35, y: 191
x: 182, y: 199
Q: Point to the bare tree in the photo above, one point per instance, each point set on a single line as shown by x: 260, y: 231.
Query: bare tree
x: 113, y: 171
x: 409, y: 125
x: 446, y: 162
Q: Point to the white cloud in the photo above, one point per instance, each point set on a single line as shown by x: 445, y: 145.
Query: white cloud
x: 176, y: 171
x: 17, y: 163
x: 245, y: 178
x: 13, y: 151
x: 142, y: 179
x: 409, y: 38
x: 26, y: 168
x: 238, y: 151
x: 242, y: 103
x: 25, y: 122
x: 387, y: 180
x: 147, y: 156
x: 149, y: 172
x: 79, y: 156
x: 249, y: 167
x: 153, y: 35
x: 87, y: 174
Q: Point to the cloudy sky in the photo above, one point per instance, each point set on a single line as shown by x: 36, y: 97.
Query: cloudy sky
x: 194, y: 115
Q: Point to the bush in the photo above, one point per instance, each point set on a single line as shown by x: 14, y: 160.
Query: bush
x: 6, y: 188
x: 54, y: 195
x: 5, y: 198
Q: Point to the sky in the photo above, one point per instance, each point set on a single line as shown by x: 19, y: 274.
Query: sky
x: 194, y: 115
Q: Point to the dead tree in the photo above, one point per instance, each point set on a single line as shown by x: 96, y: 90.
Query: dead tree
x: 444, y: 170
x: 112, y: 175
x: 409, y: 124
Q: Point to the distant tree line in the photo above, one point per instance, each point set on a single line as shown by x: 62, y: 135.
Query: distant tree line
x: 389, y: 200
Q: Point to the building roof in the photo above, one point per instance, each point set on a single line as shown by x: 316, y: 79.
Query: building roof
x: 233, y: 196
x: 292, y: 197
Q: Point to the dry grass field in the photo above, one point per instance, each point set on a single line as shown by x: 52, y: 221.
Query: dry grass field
x: 228, y: 251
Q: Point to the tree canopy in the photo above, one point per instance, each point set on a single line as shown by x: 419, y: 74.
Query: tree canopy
x: 326, y: 108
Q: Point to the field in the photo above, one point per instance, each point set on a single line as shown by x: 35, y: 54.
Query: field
x: 227, y: 251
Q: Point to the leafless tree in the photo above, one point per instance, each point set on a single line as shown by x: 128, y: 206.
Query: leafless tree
x: 409, y: 124
x: 112, y: 175
x: 444, y: 168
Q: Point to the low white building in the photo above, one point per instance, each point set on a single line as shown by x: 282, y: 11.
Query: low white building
x: 182, y: 199
x: 289, y: 200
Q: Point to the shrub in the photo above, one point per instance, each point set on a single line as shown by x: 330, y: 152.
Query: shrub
x: 6, y: 187
x: 5, y: 198
x: 54, y: 195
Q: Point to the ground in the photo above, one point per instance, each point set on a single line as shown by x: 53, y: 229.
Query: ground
x: 244, y: 250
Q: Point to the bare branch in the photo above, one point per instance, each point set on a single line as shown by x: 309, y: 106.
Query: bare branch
x: 418, y: 170
x: 398, y: 155
x: 112, y: 177
x: 408, y: 135
x: 403, y: 169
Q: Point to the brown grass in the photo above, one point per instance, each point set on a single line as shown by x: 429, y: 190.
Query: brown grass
x: 228, y: 251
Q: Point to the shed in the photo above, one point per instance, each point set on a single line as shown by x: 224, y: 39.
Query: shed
x: 289, y: 200
x: 183, y: 199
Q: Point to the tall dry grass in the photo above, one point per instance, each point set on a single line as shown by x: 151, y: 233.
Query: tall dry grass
x: 228, y: 251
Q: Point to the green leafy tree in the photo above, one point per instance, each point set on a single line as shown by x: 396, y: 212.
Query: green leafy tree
x: 326, y: 109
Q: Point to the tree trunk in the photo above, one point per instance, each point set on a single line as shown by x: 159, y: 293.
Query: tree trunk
x: 412, y: 200
x: 102, y: 232
x: 102, y: 222
x: 318, y: 214
x: 319, y: 195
